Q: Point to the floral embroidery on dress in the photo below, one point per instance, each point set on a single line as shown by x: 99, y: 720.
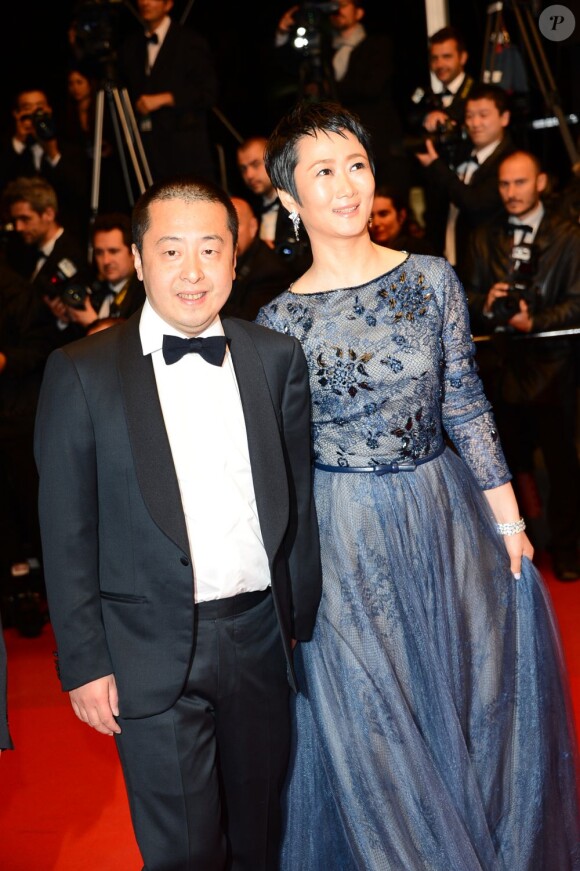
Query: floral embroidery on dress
x: 343, y: 374
x: 406, y: 300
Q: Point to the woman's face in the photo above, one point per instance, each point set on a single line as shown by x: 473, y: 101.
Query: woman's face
x: 335, y: 183
x: 386, y: 221
x: 79, y: 87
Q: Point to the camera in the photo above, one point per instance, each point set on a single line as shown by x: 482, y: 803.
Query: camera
x: 56, y: 284
x: 96, y: 29
x: 74, y: 294
x: 43, y: 124
x: 450, y: 141
x: 522, y: 285
x: 309, y: 21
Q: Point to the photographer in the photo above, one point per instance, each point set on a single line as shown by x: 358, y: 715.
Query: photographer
x: 461, y: 197
x: 275, y: 227
x: 51, y: 255
x: 115, y: 292
x: 524, y: 278
x: 36, y: 149
x: 361, y: 72
x: 444, y: 104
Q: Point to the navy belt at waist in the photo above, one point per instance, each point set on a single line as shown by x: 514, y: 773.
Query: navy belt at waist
x: 215, y: 609
x: 406, y: 465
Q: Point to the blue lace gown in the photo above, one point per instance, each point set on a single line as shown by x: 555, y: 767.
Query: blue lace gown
x: 433, y: 728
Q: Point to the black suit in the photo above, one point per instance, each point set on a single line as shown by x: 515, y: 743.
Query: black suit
x: 478, y: 202
x: 111, y: 512
x: 261, y: 274
x: 178, y: 142
x: 532, y: 382
x: 367, y: 90
x: 70, y: 179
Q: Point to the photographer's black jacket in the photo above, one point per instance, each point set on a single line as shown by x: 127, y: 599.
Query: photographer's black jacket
x: 430, y: 102
x: 534, y: 370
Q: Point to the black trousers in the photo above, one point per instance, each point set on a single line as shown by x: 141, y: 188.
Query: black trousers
x: 204, y: 778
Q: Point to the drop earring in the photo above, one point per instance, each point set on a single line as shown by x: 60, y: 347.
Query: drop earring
x: 295, y: 218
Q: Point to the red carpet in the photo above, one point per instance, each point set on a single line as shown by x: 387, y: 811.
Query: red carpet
x: 62, y: 800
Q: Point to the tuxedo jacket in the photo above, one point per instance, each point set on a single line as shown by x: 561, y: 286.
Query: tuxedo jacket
x: 179, y: 140
x: 478, y: 202
x: 531, y: 371
x: 117, y: 563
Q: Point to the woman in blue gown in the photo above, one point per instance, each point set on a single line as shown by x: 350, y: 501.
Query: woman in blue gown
x: 433, y: 728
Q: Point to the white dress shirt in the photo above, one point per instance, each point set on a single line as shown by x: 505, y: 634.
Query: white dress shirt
x: 153, y: 48
x: 465, y: 172
x: 203, y: 416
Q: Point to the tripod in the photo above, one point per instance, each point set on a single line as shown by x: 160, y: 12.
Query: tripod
x: 127, y: 137
x: 538, y: 61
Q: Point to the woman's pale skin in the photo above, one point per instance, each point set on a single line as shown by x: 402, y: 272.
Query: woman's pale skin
x: 335, y: 184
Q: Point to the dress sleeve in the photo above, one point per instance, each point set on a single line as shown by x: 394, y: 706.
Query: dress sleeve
x: 466, y: 411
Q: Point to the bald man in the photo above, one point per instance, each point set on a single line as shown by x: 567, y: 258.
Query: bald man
x: 261, y: 273
x: 524, y: 279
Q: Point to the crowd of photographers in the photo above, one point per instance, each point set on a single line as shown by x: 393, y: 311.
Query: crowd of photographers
x: 484, y: 200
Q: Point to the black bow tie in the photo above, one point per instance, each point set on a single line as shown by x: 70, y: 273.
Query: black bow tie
x: 152, y: 38
x: 525, y: 228
x: 211, y: 348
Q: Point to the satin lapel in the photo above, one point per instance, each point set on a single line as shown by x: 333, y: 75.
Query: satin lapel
x: 148, y: 436
x: 264, y: 441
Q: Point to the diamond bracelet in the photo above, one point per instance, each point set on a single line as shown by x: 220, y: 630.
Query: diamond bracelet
x: 511, y: 528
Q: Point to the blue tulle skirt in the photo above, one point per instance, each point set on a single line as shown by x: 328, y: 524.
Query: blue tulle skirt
x: 433, y: 729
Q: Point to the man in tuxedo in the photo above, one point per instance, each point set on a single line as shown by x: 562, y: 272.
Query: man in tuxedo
x: 443, y: 104
x: 36, y: 148
x: 180, y: 540
x: 49, y: 255
x: 464, y: 196
x: 260, y: 273
x: 116, y: 292
x: 523, y: 278
x: 170, y: 75
x: 275, y: 227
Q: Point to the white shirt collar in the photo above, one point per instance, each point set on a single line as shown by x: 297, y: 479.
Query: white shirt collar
x: 161, y: 31
x: 532, y: 219
x: 152, y: 328
x: 483, y: 153
x: 453, y: 86
x: 356, y: 35
x: 49, y: 247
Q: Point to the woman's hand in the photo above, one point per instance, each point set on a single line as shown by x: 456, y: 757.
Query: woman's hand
x: 517, y: 546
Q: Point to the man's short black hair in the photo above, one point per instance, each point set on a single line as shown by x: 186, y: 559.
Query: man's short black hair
x: 447, y: 33
x: 497, y: 95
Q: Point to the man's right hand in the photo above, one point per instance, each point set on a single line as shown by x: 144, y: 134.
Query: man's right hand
x: 500, y: 288
x: 97, y: 704
x: 433, y: 119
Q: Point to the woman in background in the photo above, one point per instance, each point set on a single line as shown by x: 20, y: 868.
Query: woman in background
x: 433, y: 727
x: 391, y: 225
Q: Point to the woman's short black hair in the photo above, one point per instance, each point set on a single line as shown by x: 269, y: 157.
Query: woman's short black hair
x: 308, y: 119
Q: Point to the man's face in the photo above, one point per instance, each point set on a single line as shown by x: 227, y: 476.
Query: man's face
x: 28, y: 103
x: 187, y: 263
x: 253, y: 170
x: 113, y: 258
x: 347, y: 16
x: 446, y: 61
x: 484, y: 122
x: 520, y: 184
x: 33, y: 228
x: 154, y: 11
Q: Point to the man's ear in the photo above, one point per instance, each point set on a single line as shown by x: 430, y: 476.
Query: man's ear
x: 137, y: 262
x: 541, y: 182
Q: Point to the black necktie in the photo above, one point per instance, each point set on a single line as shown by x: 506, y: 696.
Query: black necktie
x: 152, y: 38
x: 211, y: 348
